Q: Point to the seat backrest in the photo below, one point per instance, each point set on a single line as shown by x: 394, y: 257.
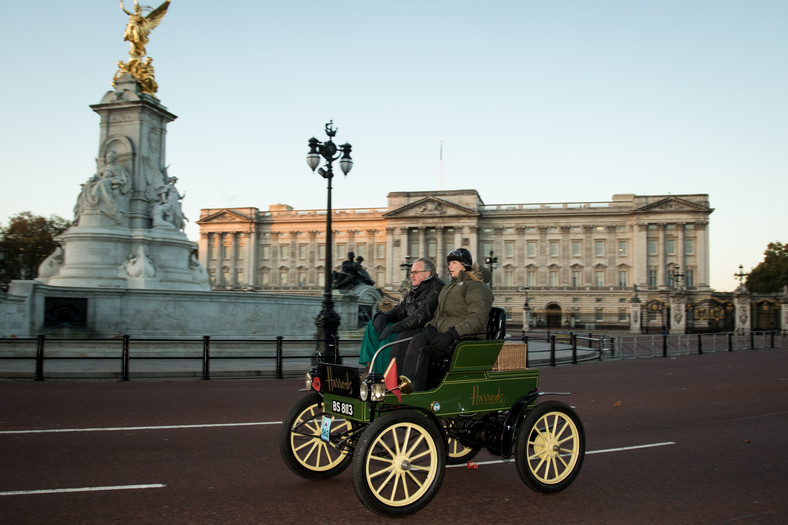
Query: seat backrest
x: 496, y: 325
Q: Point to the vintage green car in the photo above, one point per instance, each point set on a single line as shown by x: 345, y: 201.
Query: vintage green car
x: 399, y: 447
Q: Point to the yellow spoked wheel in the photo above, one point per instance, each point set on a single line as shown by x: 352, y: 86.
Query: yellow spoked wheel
x: 456, y: 452
x: 399, y: 463
x: 301, y: 446
x: 550, y: 447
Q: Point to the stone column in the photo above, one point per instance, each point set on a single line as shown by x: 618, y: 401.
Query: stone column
x: 203, y: 249
x: 440, y: 247
x: 252, y: 264
x: 634, y: 312
x: 661, y: 277
x: 219, y: 259
x: 390, y: 258
x: 702, y: 255
x: 678, y: 309
x: 640, y: 254
x: 743, y: 304
x: 784, y: 311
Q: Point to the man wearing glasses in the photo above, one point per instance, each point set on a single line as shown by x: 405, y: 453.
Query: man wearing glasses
x: 410, y: 314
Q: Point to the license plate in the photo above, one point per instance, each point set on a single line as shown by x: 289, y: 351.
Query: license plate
x: 325, y: 432
x: 340, y: 407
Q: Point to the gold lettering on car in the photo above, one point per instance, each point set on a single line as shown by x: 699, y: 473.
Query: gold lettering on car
x: 339, y: 384
x: 479, y: 399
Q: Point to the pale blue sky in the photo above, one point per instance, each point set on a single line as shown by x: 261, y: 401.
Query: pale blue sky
x: 535, y: 101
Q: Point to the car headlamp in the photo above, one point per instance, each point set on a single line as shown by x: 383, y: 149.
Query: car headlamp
x: 377, y: 391
x: 364, y: 391
x: 308, y: 381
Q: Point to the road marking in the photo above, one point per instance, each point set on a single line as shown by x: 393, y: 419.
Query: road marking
x: 120, y: 429
x: 634, y: 447
x: 83, y: 489
x: 604, y: 451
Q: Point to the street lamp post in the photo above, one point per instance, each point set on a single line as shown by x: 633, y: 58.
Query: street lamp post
x: 492, y: 264
x: 526, y: 313
x: 741, y: 276
x: 328, y: 320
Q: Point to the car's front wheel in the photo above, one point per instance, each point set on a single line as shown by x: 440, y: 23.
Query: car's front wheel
x: 399, y: 463
x: 300, y: 443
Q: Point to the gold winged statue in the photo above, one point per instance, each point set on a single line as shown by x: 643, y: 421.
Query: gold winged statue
x: 136, y: 34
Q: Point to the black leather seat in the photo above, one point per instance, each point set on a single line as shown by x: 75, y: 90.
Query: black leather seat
x: 496, y: 325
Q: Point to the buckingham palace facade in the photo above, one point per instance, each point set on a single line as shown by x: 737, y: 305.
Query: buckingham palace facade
x: 575, y: 263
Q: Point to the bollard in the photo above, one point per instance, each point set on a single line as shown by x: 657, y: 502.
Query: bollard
x: 40, y: 358
x: 772, y: 338
x: 664, y: 345
x: 525, y: 340
x: 279, y: 340
x: 552, y: 350
x: 124, y: 359
x: 206, y: 357
x: 752, y: 340
x: 700, y: 344
x: 573, y: 338
x: 730, y: 341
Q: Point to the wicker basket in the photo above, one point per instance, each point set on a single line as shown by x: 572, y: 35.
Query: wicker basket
x: 512, y: 357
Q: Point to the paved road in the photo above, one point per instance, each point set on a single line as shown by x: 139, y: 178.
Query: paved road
x: 712, y: 430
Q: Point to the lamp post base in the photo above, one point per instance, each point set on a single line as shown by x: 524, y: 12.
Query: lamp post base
x: 327, y: 322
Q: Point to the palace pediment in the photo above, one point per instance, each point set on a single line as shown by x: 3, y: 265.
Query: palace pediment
x: 673, y: 204
x: 431, y: 207
x: 226, y: 216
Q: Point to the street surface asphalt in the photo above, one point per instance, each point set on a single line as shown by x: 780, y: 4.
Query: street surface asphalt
x: 692, y: 439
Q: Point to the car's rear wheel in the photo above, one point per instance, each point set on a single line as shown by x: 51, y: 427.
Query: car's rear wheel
x: 550, y: 447
x: 399, y: 463
x: 456, y: 452
x: 303, y: 450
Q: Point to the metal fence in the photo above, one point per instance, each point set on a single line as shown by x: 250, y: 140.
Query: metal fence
x: 272, y: 355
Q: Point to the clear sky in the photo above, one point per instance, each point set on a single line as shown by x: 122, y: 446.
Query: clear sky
x: 535, y: 101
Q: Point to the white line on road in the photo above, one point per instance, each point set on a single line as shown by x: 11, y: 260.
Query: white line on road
x: 620, y: 449
x: 120, y: 429
x: 83, y: 489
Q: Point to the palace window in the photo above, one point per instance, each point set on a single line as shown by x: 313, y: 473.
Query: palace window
x: 599, y: 248
x: 531, y: 249
x: 622, y: 278
x: 622, y: 248
x: 576, y: 248
x: 553, y: 246
x: 599, y: 278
